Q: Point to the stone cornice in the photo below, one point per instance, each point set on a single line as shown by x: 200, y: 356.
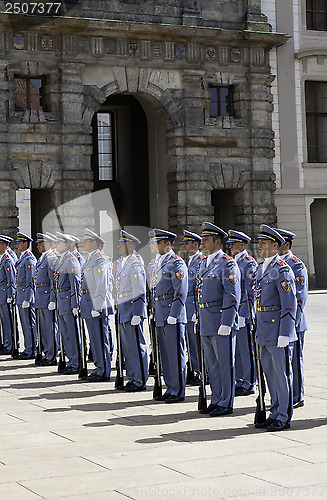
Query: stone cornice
x: 70, y: 25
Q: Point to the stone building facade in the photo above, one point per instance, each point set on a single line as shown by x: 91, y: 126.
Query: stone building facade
x: 154, y: 65
x: 300, y: 127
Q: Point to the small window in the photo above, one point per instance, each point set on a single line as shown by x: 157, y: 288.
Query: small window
x: 316, y: 119
x: 105, y: 145
x: 221, y: 101
x: 316, y: 11
x: 30, y: 93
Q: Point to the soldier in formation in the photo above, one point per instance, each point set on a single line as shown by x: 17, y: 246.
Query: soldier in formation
x: 225, y: 294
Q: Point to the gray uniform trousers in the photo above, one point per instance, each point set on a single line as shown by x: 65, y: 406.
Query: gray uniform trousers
x: 172, y: 353
x: 193, y: 346
x: 70, y: 336
x: 28, y: 322
x: 135, y: 354
x: 275, y: 362
x: 6, y: 325
x: 245, y: 373
x: 100, y: 339
x: 219, y: 352
x: 49, y: 333
x: 296, y: 356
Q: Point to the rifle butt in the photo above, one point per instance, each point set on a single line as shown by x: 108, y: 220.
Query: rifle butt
x: 260, y: 414
x: 157, y: 388
x: 82, y: 374
x: 202, y: 401
x: 119, y: 383
x: 38, y: 358
x: 61, y: 365
x: 14, y: 353
x: 189, y: 372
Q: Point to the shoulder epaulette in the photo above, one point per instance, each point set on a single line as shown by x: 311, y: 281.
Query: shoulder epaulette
x: 249, y: 257
x: 133, y: 258
x: 175, y: 256
x: 28, y: 254
x: 225, y: 256
x: 280, y: 262
x: 98, y: 254
x: 295, y: 259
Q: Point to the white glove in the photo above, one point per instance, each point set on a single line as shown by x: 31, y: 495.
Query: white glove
x: 95, y: 314
x: 135, y: 320
x: 75, y: 311
x: 51, y: 306
x: 25, y: 304
x: 224, y: 330
x: 171, y: 320
x: 193, y: 318
x: 283, y: 341
x: 241, y: 322
x: 8, y: 300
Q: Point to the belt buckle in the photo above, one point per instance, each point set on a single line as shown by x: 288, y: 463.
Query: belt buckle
x: 201, y: 306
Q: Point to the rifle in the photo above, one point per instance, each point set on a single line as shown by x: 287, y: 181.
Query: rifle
x: 1, y: 339
x: 157, y: 388
x: 260, y: 411
x: 202, y: 401
x: 189, y: 371
x: 38, y: 357
x: 62, y: 361
x: 152, y: 369
x: 82, y: 374
x: 119, y: 381
x: 13, y: 319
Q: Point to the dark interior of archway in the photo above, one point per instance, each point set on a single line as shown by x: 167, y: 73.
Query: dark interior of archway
x: 130, y: 185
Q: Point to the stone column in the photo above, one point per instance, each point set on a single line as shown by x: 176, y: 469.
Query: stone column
x: 8, y: 209
x: 189, y: 189
x: 76, y: 180
x: 259, y: 201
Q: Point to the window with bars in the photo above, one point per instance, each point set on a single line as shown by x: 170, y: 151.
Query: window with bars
x: 316, y: 12
x: 105, y: 146
x: 30, y: 93
x: 221, y: 101
x: 316, y: 119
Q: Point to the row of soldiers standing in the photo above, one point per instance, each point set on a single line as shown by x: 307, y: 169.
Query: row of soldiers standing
x: 219, y: 292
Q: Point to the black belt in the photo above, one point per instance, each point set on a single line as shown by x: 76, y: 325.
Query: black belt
x: 20, y: 284
x: 268, y: 308
x: 163, y: 297
x: 37, y: 285
x: 210, y: 304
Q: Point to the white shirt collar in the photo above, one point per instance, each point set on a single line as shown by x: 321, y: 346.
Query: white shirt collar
x: 267, y: 261
x: 213, y: 255
x: 239, y: 255
x: 193, y: 256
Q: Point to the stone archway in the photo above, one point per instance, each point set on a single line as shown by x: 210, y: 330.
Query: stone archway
x: 160, y: 95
